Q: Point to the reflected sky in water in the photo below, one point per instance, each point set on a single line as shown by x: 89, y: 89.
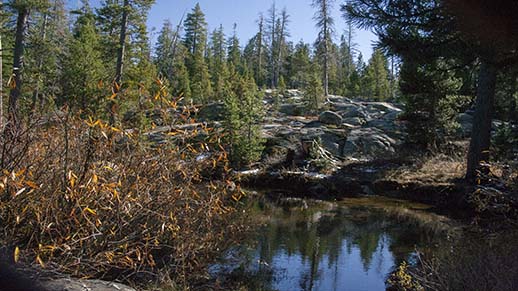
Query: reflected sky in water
x: 328, y: 247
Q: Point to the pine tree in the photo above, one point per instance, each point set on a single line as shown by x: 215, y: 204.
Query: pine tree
x: 141, y: 71
x: 423, y: 87
x: 118, y: 23
x: 195, y: 42
x: 234, y: 51
x: 432, y: 31
x: 281, y: 44
x: 376, y: 83
x: 44, y: 57
x: 243, y: 105
x: 170, y: 60
x: 218, y: 64
x: 254, y: 54
x: 83, y: 68
x: 165, y: 58
x: 260, y: 69
x: 346, y: 65
x: 300, y: 65
x: 22, y: 8
x: 325, y: 23
x: 271, y: 27
x: 314, y: 93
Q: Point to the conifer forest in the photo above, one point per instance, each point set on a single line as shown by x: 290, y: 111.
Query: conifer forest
x: 147, y: 153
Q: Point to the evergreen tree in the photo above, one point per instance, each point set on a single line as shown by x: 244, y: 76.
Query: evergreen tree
x: 426, y: 32
x: 165, y: 58
x: 83, y: 68
x: 346, y: 65
x: 180, y: 82
x: 376, y: 83
x: 22, y: 8
x: 300, y: 65
x: 255, y: 54
x: 43, y: 59
x: 314, y: 93
x: 243, y: 126
x: 170, y: 60
x: 325, y: 24
x: 195, y: 42
x: 281, y: 45
x: 234, y: 51
x: 218, y: 63
x: 119, y: 22
x: 271, y: 31
x: 423, y: 87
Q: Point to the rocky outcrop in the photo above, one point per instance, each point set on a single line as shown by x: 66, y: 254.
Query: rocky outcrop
x: 348, y: 129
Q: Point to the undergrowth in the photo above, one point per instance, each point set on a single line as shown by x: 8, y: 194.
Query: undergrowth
x: 84, y: 198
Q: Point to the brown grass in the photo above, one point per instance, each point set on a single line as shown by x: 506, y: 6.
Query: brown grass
x: 437, y: 169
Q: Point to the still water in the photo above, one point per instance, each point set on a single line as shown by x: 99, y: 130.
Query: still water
x: 326, y: 246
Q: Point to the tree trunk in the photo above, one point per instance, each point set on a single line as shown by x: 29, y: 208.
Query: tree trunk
x: 1, y: 86
x: 274, y: 28
x: 120, y: 59
x: 259, y: 77
x: 481, y: 133
x: 326, y: 48
x: 36, y: 93
x: 122, y: 42
x: 279, y: 50
x: 19, y: 47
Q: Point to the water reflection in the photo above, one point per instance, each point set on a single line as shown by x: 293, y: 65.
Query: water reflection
x: 329, y: 247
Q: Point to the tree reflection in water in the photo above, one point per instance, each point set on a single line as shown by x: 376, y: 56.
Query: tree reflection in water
x: 330, y: 247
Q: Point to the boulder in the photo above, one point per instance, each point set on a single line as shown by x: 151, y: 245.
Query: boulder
x: 369, y: 143
x: 330, y: 117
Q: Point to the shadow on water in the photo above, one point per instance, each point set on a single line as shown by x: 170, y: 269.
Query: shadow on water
x: 351, y: 245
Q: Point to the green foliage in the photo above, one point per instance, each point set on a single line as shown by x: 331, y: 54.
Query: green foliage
x: 83, y: 70
x: 244, y: 111
x: 505, y: 141
x: 137, y: 55
x: 448, y: 110
x: 195, y: 42
x: 314, y: 93
x: 282, y: 86
x: 180, y: 83
x: 376, y: 79
x: 44, y: 59
x: 425, y: 88
x: 234, y: 51
x: 299, y: 66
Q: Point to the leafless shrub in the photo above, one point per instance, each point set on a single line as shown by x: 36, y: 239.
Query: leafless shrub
x: 88, y: 199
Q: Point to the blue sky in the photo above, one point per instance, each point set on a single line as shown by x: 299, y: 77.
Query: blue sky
x: 245, y: 13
